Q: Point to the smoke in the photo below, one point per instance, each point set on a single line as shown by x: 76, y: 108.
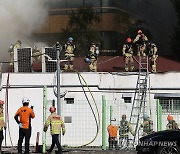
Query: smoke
x: 18, y: 20
x: 160, y: 17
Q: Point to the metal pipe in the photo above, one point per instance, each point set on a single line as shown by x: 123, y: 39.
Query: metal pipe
x: 103, y: 123
x: 58, y: 46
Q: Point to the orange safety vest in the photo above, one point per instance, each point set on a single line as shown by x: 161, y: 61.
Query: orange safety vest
x: 25, y: 113
x: 112, y: 130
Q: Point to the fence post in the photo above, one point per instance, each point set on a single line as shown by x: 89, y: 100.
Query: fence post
x: 159, y: 116
x: 44, y: 116
x: 110, y: 114
x: 103, y: 123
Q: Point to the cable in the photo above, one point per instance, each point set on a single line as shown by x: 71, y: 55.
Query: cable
x: 97, y: 123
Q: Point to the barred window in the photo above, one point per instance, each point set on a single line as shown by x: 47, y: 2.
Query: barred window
x: 127, y: 99
x: 170, y: 105
x: 69, y: 100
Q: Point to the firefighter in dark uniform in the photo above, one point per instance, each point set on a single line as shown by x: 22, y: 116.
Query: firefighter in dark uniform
x: 147, y: 125
x: 171, y: 123
x: 124, y: 129
x: 69, y: 48
x: 152, y: 50
x: 141, y: 41
x: 128, y: 55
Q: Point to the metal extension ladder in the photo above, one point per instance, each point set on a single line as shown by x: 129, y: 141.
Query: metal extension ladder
x: 139, y: 105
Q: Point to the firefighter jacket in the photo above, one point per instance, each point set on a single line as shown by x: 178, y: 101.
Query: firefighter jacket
x: 17, y: 45
x: 147, y: 126
x: 69, y: 48
x: 56, y: 124
x: 152, y: 50
x: 140, y: 39
x: 172, y: 125
x: 125, y: 128
x: 2, y: 123
x: 25, y: 114
x: 92, y: 52
x: 127, y: 50
x: 112, y: 130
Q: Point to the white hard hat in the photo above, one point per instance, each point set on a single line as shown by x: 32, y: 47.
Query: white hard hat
x: 25, y: 100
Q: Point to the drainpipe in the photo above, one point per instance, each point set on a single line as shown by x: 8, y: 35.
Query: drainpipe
x: 103, y: 123
x: 44, y: 116
x: 159, y: 116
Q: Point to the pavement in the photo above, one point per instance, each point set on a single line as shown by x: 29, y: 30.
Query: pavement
x: 13, y: 150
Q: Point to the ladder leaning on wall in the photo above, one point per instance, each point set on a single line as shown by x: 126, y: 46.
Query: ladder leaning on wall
x: 139, y: 106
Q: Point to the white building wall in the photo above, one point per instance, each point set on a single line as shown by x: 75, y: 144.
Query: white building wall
x: 108, y: 84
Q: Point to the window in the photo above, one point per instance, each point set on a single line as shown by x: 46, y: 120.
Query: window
x: 67, y: 119
x: 170, y: 105
x: 69, y: 100
x: 127, y: 99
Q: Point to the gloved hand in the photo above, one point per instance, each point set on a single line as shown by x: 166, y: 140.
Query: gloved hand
x: 63, y: 133
x: 20, y: 125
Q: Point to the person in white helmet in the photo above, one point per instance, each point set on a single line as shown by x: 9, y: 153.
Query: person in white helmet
x: 23, y: 117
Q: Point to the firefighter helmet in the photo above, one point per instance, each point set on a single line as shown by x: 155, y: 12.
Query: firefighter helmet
x: 145, y: 116
x: 139, y: 31
x: 52, y: 109
x: 25, y: 100
x: 19, y: 41
x: 87, y: 60
x: 70, y: 39
x: 123, y: 116
x: 170, y: 118
x: 128, y: 40
x: 1, y: 102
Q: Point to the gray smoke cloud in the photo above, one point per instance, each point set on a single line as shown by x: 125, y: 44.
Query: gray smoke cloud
x: 18, y: 20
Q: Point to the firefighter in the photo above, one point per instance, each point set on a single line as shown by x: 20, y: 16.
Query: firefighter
x: 128, y: 55
x: 147, y: 125
x: 93, y: 55
x: 141, y: 41
x: 36, y: 53
x: 69, y: 54
x: 23, y: 117
x: 171, y: 123
x: 112, y: 131
x: 17, y: 45
x: 124, y: 129
x: 2, y: 123
x: 152, y: 50
x: 56, y: 124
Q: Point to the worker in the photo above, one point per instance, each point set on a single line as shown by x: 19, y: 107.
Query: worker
x: 56, y: 124
x: 36, y: 53
x: 93, y: 55
x: 141, y: 41
x: 23, y: 117
x: 171, y: 123
x: 2, y: 123
x: 112, y: 131
x: 13, y: 47
x: 128, y: 55
x: 152, y: 50
x: 124, y: 129
x: 69, y: 48
x: 147, y: 125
